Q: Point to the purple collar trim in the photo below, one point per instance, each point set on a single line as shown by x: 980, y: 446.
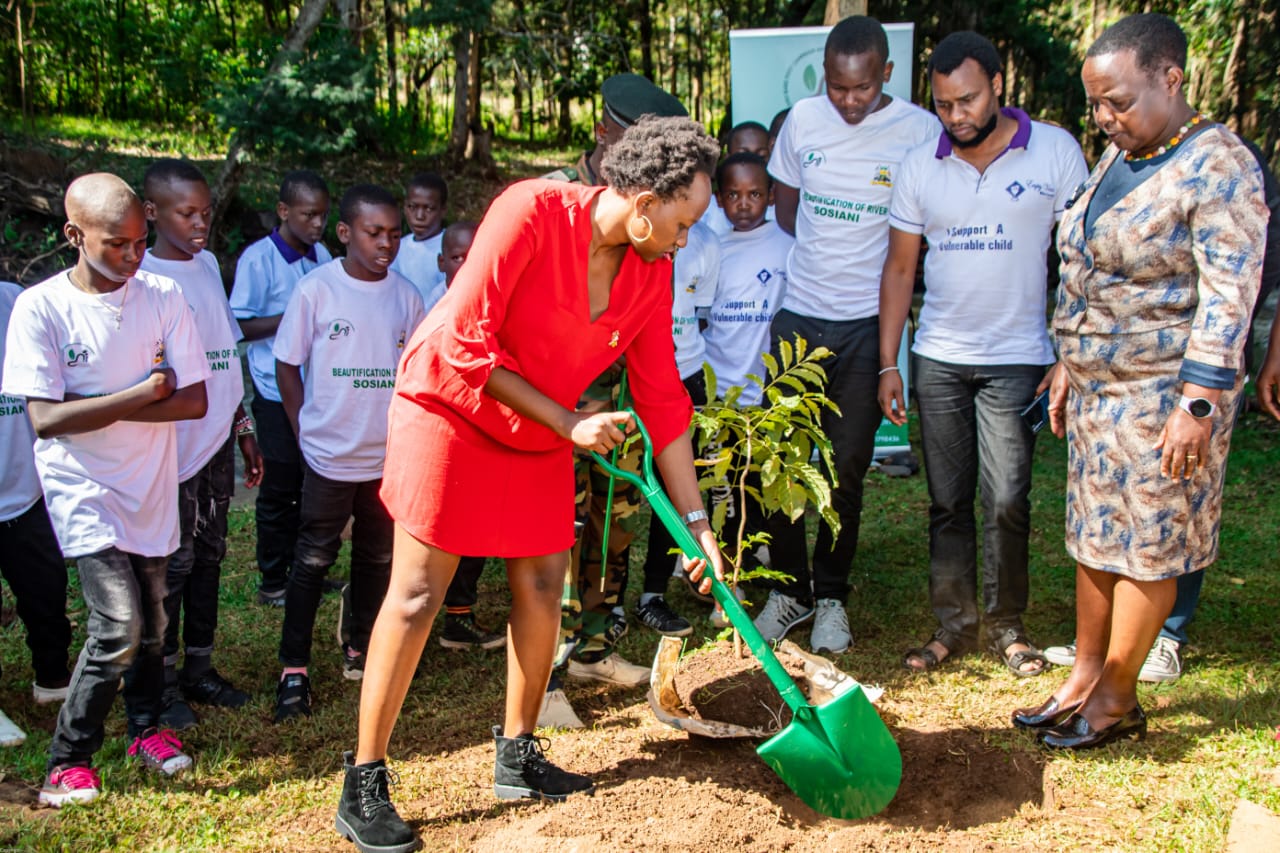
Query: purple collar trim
x: 1021, y: 136
x: 290, y: 254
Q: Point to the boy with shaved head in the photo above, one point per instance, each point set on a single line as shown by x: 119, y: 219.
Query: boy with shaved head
x: 107, y: 358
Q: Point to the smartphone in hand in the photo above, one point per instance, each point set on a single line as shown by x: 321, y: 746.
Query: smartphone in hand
x: 1036, y: 415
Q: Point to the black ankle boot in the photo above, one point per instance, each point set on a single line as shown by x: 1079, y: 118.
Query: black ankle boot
x: 521, y: 770
x: 365, y: 814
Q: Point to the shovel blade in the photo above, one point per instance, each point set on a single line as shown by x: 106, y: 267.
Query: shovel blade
x: 841, y: 760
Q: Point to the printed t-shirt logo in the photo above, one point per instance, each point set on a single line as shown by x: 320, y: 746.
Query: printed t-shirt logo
x: 340, y: 328
x: 763, y: 276
x: 400, y: 340
x: 157, y: 352
x: 1015, y: 190
x: 77, y: 354
x: 882, y: 177
x: 814, y: 159
x: 693, y: 284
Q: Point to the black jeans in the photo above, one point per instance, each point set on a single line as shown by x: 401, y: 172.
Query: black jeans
x: 196, y: 567
x: 326, y: 506
x: 124, y: 594
x: 279, y: 494
x: 658, y: 561
x: 464, y: 589
x: 852, y: 384
x: 32, y: 563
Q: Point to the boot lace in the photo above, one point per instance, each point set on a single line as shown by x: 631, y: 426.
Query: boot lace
x: 375, y: 790
x: 532, y: 758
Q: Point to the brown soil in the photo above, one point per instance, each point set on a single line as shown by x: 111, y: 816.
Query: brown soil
x: 715, y: 684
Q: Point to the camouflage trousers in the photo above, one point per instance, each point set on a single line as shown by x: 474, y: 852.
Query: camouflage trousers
x: 588, y: 628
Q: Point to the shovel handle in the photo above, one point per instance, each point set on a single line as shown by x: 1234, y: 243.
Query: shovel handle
x: 664, y: 512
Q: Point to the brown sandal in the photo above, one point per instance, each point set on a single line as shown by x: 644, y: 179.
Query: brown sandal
x: 925, y: 654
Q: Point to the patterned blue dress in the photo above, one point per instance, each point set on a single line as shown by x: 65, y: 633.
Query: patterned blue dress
x: 1167, y: 275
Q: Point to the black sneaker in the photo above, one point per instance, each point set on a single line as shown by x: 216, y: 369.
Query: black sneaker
x: 175, y: 713
x: 212, y: 689
x: 366, y: 816
x: 293, y: 697
x: 522, y: 771
x: 271, y: 597
x: 462, y: 632
x: 657, y: 615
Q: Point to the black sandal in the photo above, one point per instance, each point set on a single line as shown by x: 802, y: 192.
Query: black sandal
x: 1014, y: 662
x: 924, y: 653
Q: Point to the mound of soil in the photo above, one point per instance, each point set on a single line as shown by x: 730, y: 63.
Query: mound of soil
x: 715, y: 684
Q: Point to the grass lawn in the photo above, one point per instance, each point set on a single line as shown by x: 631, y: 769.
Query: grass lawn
x: 256, y: 786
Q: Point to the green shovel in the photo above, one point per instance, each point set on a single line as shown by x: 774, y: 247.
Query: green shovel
x: 838, y: 756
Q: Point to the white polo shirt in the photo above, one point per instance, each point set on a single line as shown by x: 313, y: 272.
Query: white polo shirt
x: 19, y: 483
x: 266, y: 274
x: 348, y: 336
x: 419, y: 261
x: 201, y: 283
x: 696, y: 271
x: 986, y: 270
x: 845, y: 174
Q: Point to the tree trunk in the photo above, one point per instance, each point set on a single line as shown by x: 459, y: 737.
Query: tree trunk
x: 646, y: 39
x: 22, y: 57
x: 393, y: 94
x: 1233, y: 78
x: 474, y: 79
x: 838, y: 10
x: 462, y: 64
x: 309, y: 17
x: 517, y: 111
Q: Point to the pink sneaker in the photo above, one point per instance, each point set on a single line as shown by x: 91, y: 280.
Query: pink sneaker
x: 73, y: 784
x: 160, y: 749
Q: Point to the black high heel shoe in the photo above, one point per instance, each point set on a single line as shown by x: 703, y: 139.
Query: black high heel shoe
x: 1076, y: 733
x: 1048, y: 715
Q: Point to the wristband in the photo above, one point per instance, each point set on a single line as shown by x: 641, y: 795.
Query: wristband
x: 243, y: 426
x: 887, y: 369
x: 693, y: 517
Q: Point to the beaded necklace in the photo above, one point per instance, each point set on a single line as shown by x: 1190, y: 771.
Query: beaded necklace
x: 1172, y: 143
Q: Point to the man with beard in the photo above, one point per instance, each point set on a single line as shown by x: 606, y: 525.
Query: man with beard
x: 986, y: 195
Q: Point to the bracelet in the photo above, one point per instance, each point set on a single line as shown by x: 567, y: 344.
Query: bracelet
x: 887, y: 369
x: 693, y: 517
x: 243, y: 426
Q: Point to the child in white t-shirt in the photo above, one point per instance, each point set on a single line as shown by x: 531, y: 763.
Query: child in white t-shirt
x: 344, y: 329
x: 266, y: 275
x: 426, y: 198
x: 110, y: 358
x: 179, y: 206
x: 749, y: 136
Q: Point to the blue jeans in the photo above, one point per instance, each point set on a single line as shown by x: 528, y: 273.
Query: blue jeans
x: 1184, y: 607
x: 974, y: 439
x: 124, y: 594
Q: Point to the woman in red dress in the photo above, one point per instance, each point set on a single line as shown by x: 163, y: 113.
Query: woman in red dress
x: 560, y: 281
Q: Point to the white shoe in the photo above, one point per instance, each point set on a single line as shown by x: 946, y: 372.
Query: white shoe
x: 48, y: 695
x: 830, y: 627
x: 1061, y: 655
x: 10, y: 734
x: 557, y: 713
x: 612, y: 670
x: 1162, y: 663
x: 781, y: 613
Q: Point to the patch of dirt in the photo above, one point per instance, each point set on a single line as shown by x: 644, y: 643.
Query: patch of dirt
x: 715, y: 684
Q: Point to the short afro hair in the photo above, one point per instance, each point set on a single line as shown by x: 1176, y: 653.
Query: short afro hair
x: 857, y: 34
x: 952, y: 51
x: 661, y: 155
x: 170, y: 170
x: 743, y: 158
x: 362, y: 194
x: 299, y: 180
x: 430, y: 181
x: 1156, y: 40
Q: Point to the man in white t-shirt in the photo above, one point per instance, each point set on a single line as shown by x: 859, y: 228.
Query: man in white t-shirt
x: 834, y: 165
x: 180, y: 206
x: 110, y: 358
x: 266, y: 275
x: 345, y: 328
x: 426, y: 198
x: 986, y: 194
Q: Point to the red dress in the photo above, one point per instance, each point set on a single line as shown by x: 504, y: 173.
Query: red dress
x: 464, y: 472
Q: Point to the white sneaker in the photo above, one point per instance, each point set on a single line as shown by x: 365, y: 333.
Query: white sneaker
x: 10, y: 734
x: 557, y: 713
x: 612, y: 670
x: 1061, y: 655
x: 1162, y: 663
x: 48, y: 695
x: 830, y: 627
x: 780, y: 614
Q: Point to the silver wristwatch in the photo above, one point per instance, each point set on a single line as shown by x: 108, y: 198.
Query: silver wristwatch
x: 695, y: 516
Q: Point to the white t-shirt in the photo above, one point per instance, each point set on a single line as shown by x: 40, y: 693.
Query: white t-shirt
x: 116, y: 486
x: 753, y: 282
x: 201, y: 282
x: 986, y: 271
x: 419, y: 261
x: 696, y: 270
x: 265, y: 278
x: 845, y: 174
x: 348, y: 336
x: 19, y: 484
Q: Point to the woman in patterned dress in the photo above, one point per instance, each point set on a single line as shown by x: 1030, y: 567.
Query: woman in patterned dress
x: 1161, y: 257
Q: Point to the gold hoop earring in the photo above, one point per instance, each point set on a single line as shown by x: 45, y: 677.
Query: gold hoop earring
x: 632, y: 234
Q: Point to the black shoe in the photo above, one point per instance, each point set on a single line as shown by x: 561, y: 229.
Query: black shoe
x: 462, y: 632
x: 293, y: 697
x: 366, y: 816
x: 617, y: 627
x: 1076, y: 733
x: 657, y: 615
x: 212, y: 689
x: 1046, y: 716
x: 271, y: 597
x: 522, y: 771
x: 175, y: 713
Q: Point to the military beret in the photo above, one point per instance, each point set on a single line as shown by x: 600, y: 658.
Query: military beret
x: 629, y: 96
